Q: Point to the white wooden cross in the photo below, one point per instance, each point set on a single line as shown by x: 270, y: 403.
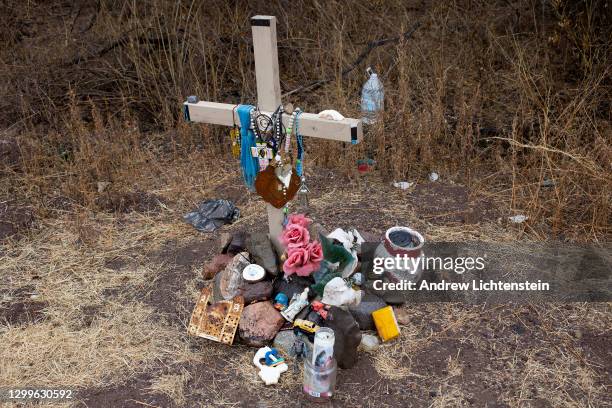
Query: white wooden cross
x: 268, y: 99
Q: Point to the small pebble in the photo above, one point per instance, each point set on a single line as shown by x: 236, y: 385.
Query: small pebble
x: 369, y: 343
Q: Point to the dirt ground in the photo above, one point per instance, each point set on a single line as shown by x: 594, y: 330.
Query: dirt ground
x: 99, y: 301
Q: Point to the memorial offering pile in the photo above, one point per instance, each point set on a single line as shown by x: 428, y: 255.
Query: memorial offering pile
x: 284, y: 296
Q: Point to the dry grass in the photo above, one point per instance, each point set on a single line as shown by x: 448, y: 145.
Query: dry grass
x: 172, y: 385
x: 499, y: 96
x: 496, y: 96
x: 127, y: 337
x: 549, y: 365
x: 66, y: 264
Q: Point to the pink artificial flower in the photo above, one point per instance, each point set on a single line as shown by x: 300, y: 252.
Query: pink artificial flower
x: 295, y: 236
x: 297, y: 262
x: 315, y: 252
x: 299, y: 219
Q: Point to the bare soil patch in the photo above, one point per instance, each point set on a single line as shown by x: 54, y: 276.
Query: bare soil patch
x: 130, y: 395
x: 442, y: 203
x: 15, y: 219
x: 19, y: 307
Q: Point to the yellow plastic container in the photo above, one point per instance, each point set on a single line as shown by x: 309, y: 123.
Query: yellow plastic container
x: 386, y: 323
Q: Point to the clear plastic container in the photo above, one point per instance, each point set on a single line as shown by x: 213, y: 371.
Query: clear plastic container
x: 372, y: 98
x: 319, y: 382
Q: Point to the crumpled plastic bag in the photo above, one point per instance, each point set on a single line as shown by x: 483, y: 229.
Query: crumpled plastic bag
x: 212, y: 214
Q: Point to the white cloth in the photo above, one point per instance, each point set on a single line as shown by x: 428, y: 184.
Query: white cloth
x: 336, y: 293
x: 331, y: 115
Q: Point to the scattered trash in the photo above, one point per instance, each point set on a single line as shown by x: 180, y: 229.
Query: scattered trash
x: 386, y: 324
x: 548, y: 183
x: 433, y: 176
x: 212, y: 214
x: 363, y: 166
x: 298, y: 302
x: 253, y: 273
x: 269, y: 374
x: 372, y: 98
x: 404, y: 185
x: 217, y: 322
x: 518, y: 219
x: 369, y: 343
x: 331, y: 115
x: 337, y: 293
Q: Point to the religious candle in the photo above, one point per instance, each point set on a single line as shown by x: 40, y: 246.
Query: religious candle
x: 323, y: 349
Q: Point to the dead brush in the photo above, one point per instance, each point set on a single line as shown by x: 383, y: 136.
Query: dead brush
x: 503, y: 97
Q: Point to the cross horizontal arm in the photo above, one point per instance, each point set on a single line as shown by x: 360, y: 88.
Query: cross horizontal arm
x: 346, y: 130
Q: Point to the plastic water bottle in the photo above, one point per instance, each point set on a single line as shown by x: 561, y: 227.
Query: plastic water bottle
x: 372, y: 98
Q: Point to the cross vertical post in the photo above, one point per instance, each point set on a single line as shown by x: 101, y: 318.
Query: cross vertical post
x: 268, y: 93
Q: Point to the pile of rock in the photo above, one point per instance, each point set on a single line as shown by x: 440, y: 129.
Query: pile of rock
x: 262, y: 323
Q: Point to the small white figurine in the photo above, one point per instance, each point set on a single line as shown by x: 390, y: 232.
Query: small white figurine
x: 269, y: 374
x: 296, y: 306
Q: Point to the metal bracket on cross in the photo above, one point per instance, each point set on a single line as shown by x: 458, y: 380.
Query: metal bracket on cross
x: 268, y: 99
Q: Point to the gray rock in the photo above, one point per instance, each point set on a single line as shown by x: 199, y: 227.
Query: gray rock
x: 237, y: 243
x: 262, y: 252
x: 228, y: 282
x: 284, y: 342
x: 347, y: 336
x: 369, y: 343
x: 256, y: 292
x: 363, y: 312
x: 216, y: 265
x: 259, y: 324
